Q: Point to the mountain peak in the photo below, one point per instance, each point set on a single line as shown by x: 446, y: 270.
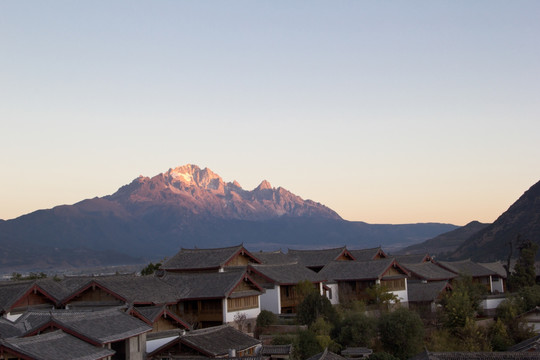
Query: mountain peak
x: 264, y: 185
x: 192, y: 175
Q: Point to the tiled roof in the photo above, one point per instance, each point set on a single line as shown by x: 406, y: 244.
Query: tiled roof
x: 150, y: 314
x: 532, y: 344
x: 423, y: 292
x: 274, y: 257
x: 140, y: 289
x: 286, y: 274
x: 12, y: 291
x: 367, y: 254
x: 356, y: 270
x: 466, y: 267
x: 56, y: 345
x: 199, y: 259
x: 206, y: 285
x: 216, y: 341
x: 326, y: 355
x: 99, y: 326
x: 497, y: 267
x: 314, y: 258
x: 356, y: 352
x: 426, y: 355
x: 269, y: 350
x: 429, y: 271
x: 8, y: 329
x: 412, y: 258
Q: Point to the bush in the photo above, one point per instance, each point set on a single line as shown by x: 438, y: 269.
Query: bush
x: 266, y: 318
x: 401, y: 333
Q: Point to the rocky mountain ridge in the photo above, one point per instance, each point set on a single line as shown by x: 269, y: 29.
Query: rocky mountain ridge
x: 152, y: 217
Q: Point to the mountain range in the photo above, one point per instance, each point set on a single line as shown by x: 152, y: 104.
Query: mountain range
x: 489, y: 242
x: 187, y: 206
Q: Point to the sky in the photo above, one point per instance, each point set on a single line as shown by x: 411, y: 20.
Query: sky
x: 387, y: 112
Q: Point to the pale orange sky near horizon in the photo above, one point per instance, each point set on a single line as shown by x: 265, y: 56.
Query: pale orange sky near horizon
x: 387, y: 112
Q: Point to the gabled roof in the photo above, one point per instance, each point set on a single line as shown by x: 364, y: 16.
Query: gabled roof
x: 275, y: 257
x: 429, y: 271
x: 130, y: 289
x: 413, y: 258
x: 289, y: 274
x: 8, y: 329
x: 319, y: 258
x: 359, y: 270
x: 269, y: 350
x: 211, y: 342
x: 424, y: 292
x: 95, y: 326
x: 466, y: 267
x: 217, y: 340
x: 368, y: 254
x: 150, y: 314
x: 13, y: 291
x: 326, y: 355
x: 56, y: 345
x: 205, y: 259
x: 497, y: 267
x: 210, y: 285
x: 532, y: 344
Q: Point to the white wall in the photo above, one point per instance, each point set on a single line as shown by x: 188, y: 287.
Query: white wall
x: 335, y: 293
x: 496, y: 285
x: 250, y: 313
x: 402, y: 294
x: 271, y: 300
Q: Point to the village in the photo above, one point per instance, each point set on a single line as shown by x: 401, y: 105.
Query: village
x: 205, y: 303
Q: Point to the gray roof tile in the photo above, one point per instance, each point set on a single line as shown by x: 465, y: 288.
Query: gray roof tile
x: 424, y: 292
x: 100, y: 326
x: 466, y: 267
x: 316, y: 258
x: 56, y: 345
x: 356, y: 270
x: 429, y: 271
x: 286, y: 274
x: 200, y: 259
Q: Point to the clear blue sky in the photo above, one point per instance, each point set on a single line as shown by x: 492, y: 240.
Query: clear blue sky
x: 387, y: 112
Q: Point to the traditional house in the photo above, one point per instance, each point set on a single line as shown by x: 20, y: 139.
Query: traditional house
x: 317, y: 259
x: 280, y: 283
x: 368, y: 254
x: 275, y: 257
x: 17, y: 297
x: 413, y: 258
x: 326, y: 355
x: 465, y: 355
x: 350, y: 279
x: 109, y: 328
x: 55, y: 345
x: 209, y: 260
x: 210, y: 299
x: 159, y: 318
x: 129, y: 290
x: 428, y: 272
x: 214, y: 342
x: 276, y: 352
x: 529, y: 345
x: 480, y: 274
x: 423, y: 297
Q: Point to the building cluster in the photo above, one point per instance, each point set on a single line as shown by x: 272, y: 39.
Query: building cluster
x: 203, y: 303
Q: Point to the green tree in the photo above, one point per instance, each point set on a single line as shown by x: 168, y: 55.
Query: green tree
x: 314, y: 306
x: 306, y: 345
x: 524, y: 272
x: 380, y: 295
x: 382, y: 356
x: 150, y: 269
x: 401, y: 333
x: 266, y: 318
x: 356, y: 329
x: 499, y: 338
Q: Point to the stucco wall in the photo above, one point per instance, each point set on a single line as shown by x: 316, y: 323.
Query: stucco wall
x: 270, y: 300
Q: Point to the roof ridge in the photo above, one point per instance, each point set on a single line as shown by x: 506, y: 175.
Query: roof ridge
x: 213, y: 249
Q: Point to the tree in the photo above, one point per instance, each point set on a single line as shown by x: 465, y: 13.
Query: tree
x: 150, y: 269
x: 401, y: 333
x: 380, y: 295
x: 356, y: 329
x: 315, y: 305
x: 266, y: 318
x: 306, y: 345
x: 524, y: 272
